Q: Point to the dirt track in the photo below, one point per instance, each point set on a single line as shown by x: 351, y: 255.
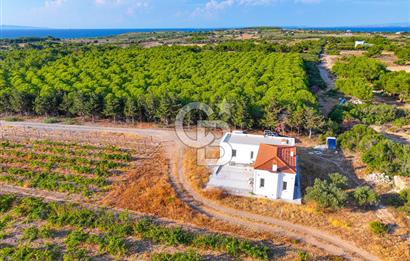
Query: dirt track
x: 330, y: 243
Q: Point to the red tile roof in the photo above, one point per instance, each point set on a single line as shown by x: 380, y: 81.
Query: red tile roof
x: 269, y: 155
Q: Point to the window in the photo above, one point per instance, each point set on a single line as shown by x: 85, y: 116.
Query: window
x: 233, y: 153
x: 251, y: 154
x: 284, y: 185
x: 262, y: 183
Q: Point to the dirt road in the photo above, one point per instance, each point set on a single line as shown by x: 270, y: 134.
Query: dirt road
x: 398, y: 137
x: 327, y: 103
x: 330, y: 243
x: 325, y: 74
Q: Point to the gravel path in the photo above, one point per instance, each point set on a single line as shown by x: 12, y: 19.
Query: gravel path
x: 324, y: 240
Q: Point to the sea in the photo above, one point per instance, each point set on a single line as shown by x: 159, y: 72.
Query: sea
x: 95, y: 33
x: 83, y: 33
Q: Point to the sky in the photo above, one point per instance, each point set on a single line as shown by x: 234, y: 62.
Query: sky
x: 201, y: 13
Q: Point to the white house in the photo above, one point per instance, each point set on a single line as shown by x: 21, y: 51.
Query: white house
x: 261, y: 166
x: 245, y: 147
x: 359, y: 43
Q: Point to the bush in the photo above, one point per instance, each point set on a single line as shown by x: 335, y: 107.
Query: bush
x: 374, y: 50
x: 120, y: 226
x: 378, y: 152
x: 378, y: 227
x: 30, y: 233
x: 6, y: 202
x: 33, y: 208
x: 405, y: 195
x: 183, y: 256
x: 75, y: 238
x: 50, y: 252
x: 176, y: 236
x: 51, y: 120
x: 33, y: 233
x: 338, y: 180
x: 111, y: 244
x: 365, y: 196
x: 13, y: 119
x: 70, y: 121
x: 303, y: 256
x: 326, y: 194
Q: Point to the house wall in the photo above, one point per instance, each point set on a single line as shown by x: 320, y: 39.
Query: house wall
x: 289, y: 192
x: 243, y: 153
x: 273, y: 187
x: 270, y: 189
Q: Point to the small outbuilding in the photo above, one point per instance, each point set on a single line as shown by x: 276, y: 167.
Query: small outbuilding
x: 331, y: 143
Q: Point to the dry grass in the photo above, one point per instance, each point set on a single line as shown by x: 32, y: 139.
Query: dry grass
x: 350, y: 224
x: 387, y: 58
x: 147, y: 189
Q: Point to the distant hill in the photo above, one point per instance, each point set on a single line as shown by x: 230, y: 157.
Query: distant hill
x: 18, y: 27
x: 385, y: 25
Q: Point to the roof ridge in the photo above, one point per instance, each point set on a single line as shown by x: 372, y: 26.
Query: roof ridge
x: 275, y: 155
x: 283, y: 161
x: 269, y: 158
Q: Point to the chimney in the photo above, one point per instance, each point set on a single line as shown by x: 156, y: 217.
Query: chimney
x: 274, y: 167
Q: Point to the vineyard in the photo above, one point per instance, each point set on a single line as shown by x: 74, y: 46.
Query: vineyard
x: 32, y: 229
x: 32, y: 159
x: 60, y: 166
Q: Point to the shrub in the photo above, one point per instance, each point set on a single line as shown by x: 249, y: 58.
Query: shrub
x: 378, y: 227
x: 13, y: 119
x: 70, y: 121
x: 374, y: 50
x: 75, y: 238
x: 77, y: 254
x: 369, y: 113
x: 3, y: 234
x: 111, y: 244
x: 33, y: 208
x: 365, y: 196
x: 30, y: 233
x: 33, y: 233
x: 176, y: 236
x: 119, y: 226
x: 50, y: 252
x: 405, y: 195
x: 182, y: 256
x: 326, y: 194
x: 378, y: 152
x: 4, y: 221
x: 338, y: 180
x: 303, y: 256
x: 6, y: 202
x: 51, y: 120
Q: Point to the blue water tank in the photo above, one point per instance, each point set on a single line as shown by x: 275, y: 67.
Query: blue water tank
x: 331, y: 143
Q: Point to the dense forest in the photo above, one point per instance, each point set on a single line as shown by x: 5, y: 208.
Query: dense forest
x: 370, y: 114
x: 378, y: 152
x: 152, y: 84
x: 359, y: 76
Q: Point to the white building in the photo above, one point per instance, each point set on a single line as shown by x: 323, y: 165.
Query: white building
x: 359, y: 43
x: 245, y: 147
x: 262, y: 166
